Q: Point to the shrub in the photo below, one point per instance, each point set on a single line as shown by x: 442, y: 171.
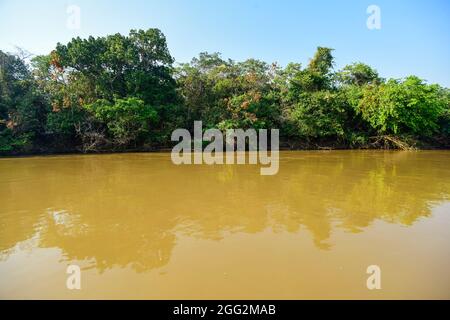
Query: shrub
x: 402, y: 107
x: 127, y: 120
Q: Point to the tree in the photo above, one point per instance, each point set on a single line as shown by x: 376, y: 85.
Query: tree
x: 317, y: 76
x: 23, y: 109
x: 322, y: 114
x: 322, y: 62
x: 358, y: 74
x: 403, y: 107
x: 226, y: 94
x: 118, y: 66
x: 127, y: 120
x: 122, y: 91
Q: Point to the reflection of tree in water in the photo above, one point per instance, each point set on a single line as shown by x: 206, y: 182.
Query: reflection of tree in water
x: 129, y: 210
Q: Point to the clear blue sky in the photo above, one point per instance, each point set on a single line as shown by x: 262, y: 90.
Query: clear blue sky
x: 414, y: 37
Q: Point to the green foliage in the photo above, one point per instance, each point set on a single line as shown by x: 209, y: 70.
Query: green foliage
x: 127, y: 120
x: 444, y: 118
x: 64, y: 122
x: 322, y: 62
x: 402, y: 107
x: 122, y: 91
x: 321, y: 114
x: 119, y: 66
x: 226, y: 94
x: 317, y: 76
x: 358, y: 74
x: 23, y: 108
x: 9, y: 142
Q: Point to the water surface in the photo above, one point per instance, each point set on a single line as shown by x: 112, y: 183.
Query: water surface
x: 143, y: 228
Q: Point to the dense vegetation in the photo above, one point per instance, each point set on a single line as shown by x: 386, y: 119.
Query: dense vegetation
x: 125, y: 93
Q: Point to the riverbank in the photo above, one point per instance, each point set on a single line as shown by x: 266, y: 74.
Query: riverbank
x: 138, y: 107
x: 291, y: 147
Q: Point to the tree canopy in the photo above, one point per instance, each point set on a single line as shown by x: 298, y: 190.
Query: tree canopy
x: 126, y: 92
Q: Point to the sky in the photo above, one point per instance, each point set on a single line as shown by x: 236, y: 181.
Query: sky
x: 414, y: 37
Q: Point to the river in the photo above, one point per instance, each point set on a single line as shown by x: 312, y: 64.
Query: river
x: 141, y: 227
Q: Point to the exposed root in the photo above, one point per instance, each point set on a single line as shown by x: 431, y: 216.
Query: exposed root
x: 391, y: 142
